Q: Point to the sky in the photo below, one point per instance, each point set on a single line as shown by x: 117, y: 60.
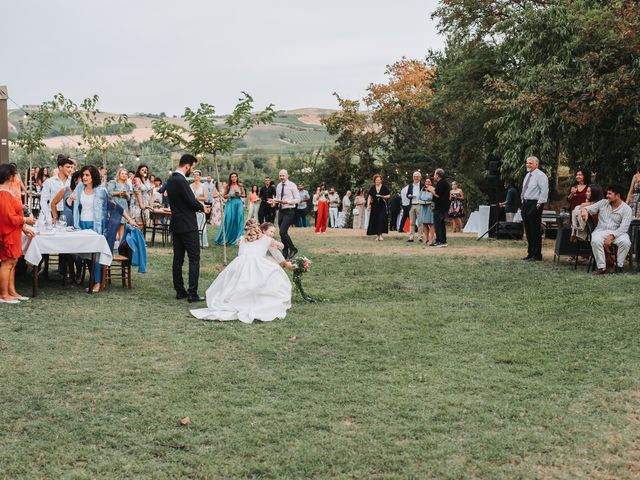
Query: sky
x: 163, y: 55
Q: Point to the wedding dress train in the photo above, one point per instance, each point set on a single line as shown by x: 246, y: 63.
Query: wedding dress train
x: 250, y: 288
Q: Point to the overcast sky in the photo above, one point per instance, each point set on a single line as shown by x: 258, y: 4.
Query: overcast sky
x: 163, y: 55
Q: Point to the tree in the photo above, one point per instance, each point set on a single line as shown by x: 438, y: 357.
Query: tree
x: 205, y: 134
x: 32, y: 131
x: 99, y: 132
x: 354, y: 156
x: 561, y: 82
x: 569, y: 90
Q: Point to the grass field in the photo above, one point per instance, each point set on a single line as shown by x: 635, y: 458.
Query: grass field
x: 418, y: 363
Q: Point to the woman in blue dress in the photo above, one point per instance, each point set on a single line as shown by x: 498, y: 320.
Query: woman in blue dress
x: 426, y: 212
x: 233, y: 212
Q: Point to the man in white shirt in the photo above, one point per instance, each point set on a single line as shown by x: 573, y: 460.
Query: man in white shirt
x: 286, y: 199
x: 614, y: 218
x: 415, y: 204
x: 535, y: 192
x: 54, y: 184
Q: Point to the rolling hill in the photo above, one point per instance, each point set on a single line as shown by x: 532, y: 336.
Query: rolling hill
x: 294, y: 130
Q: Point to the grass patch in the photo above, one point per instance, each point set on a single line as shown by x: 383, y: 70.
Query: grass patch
x: 423, y: 364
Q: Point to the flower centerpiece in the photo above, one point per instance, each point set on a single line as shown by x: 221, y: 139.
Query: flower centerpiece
x: 301, y: 266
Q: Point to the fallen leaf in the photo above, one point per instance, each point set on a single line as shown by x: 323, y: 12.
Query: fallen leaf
x: 185, y: 421
x: 348, y: 421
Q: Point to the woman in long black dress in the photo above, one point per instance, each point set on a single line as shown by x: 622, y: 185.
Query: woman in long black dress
x: 377, y: 204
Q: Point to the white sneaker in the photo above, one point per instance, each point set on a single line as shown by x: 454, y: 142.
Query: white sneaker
x: 441, y: 245
x: 22, y: 299
x: 13, y: 301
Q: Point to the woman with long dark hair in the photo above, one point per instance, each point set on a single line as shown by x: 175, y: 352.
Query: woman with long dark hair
x: 234, y: 193
x: 140, y: 200
x: 321, y: 199
x: 41, y: 176
x: 90, y: 210
x: 578, y: 193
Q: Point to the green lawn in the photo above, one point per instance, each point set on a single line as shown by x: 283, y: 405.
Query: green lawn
x: 419, y: 363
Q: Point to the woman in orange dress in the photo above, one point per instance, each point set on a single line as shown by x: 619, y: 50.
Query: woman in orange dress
x: 12, y: 224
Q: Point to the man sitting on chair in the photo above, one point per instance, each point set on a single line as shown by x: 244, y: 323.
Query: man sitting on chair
x: 614, y: 218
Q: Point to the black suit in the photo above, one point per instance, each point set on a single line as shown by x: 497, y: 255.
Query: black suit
x: 184, y: 229
x: 266, y: 213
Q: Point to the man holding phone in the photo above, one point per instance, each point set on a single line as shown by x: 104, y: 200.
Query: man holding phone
x: 413, y: 194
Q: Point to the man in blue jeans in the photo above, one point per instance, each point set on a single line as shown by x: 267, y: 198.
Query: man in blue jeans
x: 441, y: 208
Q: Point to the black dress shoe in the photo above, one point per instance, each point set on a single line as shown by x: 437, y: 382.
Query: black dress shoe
x: 528, y: 257
x: 293, y: 253
x: 535, y: 259
x: 181, y: 295
x: 196, y: 299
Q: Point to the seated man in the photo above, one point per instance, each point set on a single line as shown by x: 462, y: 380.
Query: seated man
x: 613, y: 226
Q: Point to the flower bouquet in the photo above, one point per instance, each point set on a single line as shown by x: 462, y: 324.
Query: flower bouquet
x: 301, y: 265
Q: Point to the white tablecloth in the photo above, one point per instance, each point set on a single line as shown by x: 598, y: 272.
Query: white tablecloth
x: 473, y: 223
x: 78, y: 242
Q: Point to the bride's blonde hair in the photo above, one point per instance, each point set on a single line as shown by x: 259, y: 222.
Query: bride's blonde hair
x: 252, y: 231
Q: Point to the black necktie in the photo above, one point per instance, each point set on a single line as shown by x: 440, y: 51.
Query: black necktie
x: 282, y: 191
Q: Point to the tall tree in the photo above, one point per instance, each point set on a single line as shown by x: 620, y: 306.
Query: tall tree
x: 354, y: 156
x: 31, y: 131
x: 206, y: 134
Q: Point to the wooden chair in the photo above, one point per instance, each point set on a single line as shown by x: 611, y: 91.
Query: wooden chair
x: 120, y: 267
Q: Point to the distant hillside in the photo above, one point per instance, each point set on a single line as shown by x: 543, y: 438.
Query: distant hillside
x: 295, y: 130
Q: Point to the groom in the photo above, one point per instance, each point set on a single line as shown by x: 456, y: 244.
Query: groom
x: 184, y: 228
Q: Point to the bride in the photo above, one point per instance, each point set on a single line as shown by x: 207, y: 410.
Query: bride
x: 252, y: 287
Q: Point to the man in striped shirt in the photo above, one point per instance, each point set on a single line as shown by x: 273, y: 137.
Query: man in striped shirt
x: 614, y: 218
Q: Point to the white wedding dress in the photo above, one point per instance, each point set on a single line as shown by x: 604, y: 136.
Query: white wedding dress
x: 252, y: 287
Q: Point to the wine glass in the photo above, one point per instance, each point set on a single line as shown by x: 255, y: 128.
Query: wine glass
x: 62, y: 222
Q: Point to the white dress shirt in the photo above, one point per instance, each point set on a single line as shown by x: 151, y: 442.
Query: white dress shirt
x: 616, y: 222
x: 50, y: 189
x: 334, y: 200
x: 417, y: 187
x: 537, y: 187
x: 287, y: 191
x: 403, y: 196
